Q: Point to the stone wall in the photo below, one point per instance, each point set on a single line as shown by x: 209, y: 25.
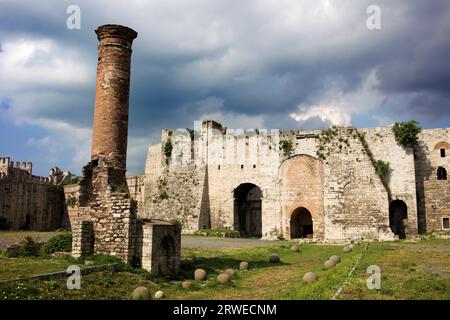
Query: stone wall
x: 331, y: 173
x: 433, y: 194
x: 30, y: 202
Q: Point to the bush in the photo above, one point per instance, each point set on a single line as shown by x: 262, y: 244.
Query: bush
x: 406, y: 133
x: 62, y: 242
x: 75, y: 180
x: 177, y: 223
x: 4, y: 224
x: 168, y: 149
x: 286, y: 146
x: 382, y: 168
x: 26, y: 248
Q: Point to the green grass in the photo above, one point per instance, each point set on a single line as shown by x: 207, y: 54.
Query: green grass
x: 409, y: 271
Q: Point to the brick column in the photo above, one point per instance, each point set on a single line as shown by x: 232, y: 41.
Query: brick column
x: 110, y: 130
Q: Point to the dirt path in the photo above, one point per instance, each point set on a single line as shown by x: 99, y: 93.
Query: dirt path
x: 10, y: 237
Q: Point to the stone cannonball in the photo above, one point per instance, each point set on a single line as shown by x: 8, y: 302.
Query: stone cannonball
x: 347, y: 249
x: 186, y: 284
x: 140, y: 293
x: 295, y: 248
x: 200, y: 275
x: 223, y: 278
x: 274, y: 258
x: 230, y: 272
x: 329, y: 264
x: 159, y: 295
x: 335, y: 258
x: 243, y: 265
x: 309, y: 277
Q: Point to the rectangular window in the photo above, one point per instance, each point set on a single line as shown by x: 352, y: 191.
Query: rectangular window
x: 242, y: 166
x: 442, y: 153
x: 218, y: 167
x: 446, y: 223
x: 254, y: 166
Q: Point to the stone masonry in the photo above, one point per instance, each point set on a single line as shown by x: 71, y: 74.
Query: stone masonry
x: 31, y: 202
x: 324, y: 186
x: 103, y: 214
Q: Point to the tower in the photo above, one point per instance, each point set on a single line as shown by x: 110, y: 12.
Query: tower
x: 110, y: 128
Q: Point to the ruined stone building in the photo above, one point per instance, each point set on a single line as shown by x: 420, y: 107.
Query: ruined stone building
x: 299, y: 184
x: 31, y: 202
x: 104, y: 215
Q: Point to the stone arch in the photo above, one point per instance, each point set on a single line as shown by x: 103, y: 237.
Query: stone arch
x: 442, y: 145
x: 166, y: 256
x: 398, y: 212
x: 441, y: 173
x: 248, y: 210
x: 301, y: 223
x: 301, y: 185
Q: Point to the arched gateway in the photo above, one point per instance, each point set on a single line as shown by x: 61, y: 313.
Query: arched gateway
x: 247, y: 210
x: 301, y: 225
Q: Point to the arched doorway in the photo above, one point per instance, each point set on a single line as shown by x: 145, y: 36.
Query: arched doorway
x: 166, y: 258
x: 398, y: 211
x: 301, y: 224
x: 247, y: 210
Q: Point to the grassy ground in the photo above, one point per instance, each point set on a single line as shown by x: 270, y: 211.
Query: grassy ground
x: 409, y: 271
x: 8, y: 237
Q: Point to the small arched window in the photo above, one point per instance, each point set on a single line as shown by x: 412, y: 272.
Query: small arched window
x: 441, y: 173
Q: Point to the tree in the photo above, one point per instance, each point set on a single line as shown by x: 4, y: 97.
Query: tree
x: 406, y: 133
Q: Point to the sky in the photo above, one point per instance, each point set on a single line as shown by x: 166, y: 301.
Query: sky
x: 280, y: 64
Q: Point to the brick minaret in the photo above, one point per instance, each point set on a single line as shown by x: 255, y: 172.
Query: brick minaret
x: 107, y: 167
x: 109, y: 138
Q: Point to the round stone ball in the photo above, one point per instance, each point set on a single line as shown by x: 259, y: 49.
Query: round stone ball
x: 223, y: 278
x: 347, y: 249
x: 186, y: 284
x: 350, y: 246
x: 274, y: 258
x: 159, y: 295
x: 295, y: 248
x: 336, y: 259
x: 329, y: 264
x: 230, y: 272
x: 200, y: 275
x: 309, y: 277
x: 140, y: 293
x: 243, y: 265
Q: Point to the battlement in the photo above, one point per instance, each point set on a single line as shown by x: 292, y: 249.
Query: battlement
x: 6, y: 165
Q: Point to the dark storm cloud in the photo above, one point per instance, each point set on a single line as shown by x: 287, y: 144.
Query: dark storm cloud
x: 257, y: 60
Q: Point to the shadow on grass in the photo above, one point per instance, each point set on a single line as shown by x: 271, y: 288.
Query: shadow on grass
x: 214, y: 266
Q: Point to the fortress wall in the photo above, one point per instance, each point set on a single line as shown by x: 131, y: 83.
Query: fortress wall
x: 236, y: 157
x: 433, y: 194
x: 30, y: 202
x: 355, y: 200
x: 402, y: 180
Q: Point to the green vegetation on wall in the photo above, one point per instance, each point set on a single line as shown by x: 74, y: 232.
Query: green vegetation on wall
x: 382, y: 168
x: 286, y: 147
x: 168, y: 149
x: 406, y: 133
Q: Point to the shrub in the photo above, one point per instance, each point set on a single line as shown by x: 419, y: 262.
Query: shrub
x: 382, y: 168
x: 121, y: 189
x: 75, y: 180
x: 406, y: 133
x: 168, y: 148
x: 4, y: 224
x: 26, y: 248
x: 62, y: 242
x: 286, y: 146
x: 177, y: 223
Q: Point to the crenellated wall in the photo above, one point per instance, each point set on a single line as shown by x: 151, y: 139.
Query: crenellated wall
x: 330, y: 173
x: 31, y: 202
